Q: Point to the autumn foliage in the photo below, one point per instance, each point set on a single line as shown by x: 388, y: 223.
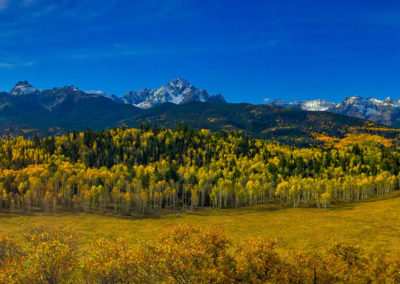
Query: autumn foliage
x: 185, y: 254
x: 46, y: 256
x: 143, y: 171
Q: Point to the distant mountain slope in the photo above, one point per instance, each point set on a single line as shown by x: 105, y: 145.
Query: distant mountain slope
x: 381, y: 111
x: 27, y: 111
x: 54, y: 111
x: 290, y: 126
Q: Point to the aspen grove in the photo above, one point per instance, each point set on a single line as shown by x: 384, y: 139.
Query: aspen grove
x: 142, y: 171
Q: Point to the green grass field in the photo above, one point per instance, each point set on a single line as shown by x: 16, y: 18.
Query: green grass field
x: 373, y: 224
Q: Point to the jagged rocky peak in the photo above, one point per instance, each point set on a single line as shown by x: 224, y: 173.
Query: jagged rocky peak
x: 180, y: 84
x: 23, y: 88
x: 352, y: 100
x: 388, y: 100
x: 177, y: 91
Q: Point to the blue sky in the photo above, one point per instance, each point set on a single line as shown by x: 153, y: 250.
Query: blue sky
x: 245, y: 50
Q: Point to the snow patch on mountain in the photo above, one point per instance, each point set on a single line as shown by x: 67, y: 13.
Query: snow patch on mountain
x: 317, y: 105
x: 312, y: 105
x: 96, y: 93
x: 23, y: 88
x: 370, y: 111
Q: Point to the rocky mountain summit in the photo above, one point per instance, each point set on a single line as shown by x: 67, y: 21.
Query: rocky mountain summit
x: 23, y: 88
x: 178, y: 91
x: 381, y: 111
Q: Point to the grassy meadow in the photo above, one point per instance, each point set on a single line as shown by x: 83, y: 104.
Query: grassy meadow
x: 372, y: 224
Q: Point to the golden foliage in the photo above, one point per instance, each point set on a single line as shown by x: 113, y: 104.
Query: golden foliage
x: 193, y: 254
x: 363, y: 139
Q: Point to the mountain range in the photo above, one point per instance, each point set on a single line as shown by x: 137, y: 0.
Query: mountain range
x: 26, y: 110
x: 177, y: 91
x: 386, y: 111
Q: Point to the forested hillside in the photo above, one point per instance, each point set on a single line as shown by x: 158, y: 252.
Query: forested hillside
x: 288, y: 126
x: 145, y: 170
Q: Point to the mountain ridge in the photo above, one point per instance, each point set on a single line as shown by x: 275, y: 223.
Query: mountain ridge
x: 180, y: 91
x: 27, y: 111
x: 386, y: 111
x: 177, y: 91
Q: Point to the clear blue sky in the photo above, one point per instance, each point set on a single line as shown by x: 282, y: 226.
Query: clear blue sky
x: 245, y: 50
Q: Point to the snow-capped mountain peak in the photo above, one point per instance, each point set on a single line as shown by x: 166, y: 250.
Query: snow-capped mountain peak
x: 23, y: 88
x: 385, y: 111
x: 177, y: 91
x: 389, y: 100
x: 179, y: 84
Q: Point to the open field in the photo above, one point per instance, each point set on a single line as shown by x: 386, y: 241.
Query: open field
x: 373, y: 224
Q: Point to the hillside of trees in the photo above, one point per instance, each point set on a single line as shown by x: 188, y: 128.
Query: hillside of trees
x: 25, y: 116
x: 143, y: 171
